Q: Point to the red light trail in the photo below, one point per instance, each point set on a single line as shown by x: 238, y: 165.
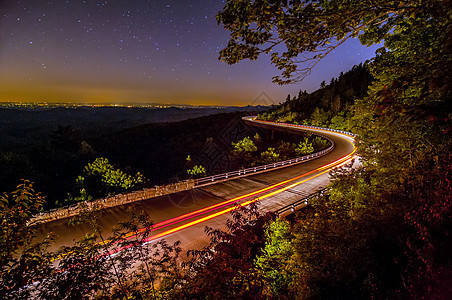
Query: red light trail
x: 227, y: 206
x: 273, y: 190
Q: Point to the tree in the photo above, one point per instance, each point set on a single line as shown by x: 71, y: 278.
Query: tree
x: 287, y: 99
x: 194, y: 170
x: 410, y: 97
x: 269, y: 156
x: 286, y: 150
x: 114, y: 179
x: 338, y: 96
x: 243, y: 151
x: 274, y: 265
x: 304, y: 148
x: 65, y: 138
x: 336, y: 104
x: 225, y: 268
x: 310, y: 27
x: 22, y: 260
x: 101, y: 179
x: 319, y: 117
x: 95, y: 267
x: 339, y: 122
x: 121, y: 266
x: 257, y: 140
x: 197, y: 171
x: 320, y: 143
x: 372, y: 237
x: 79, y: 274
x: 244, y: 145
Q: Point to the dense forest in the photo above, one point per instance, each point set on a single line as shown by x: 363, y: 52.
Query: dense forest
x: 330, y: 106
x: 64, y: 149
x: 23, y: 127
x: 64, y: 141
x: 381, y: 231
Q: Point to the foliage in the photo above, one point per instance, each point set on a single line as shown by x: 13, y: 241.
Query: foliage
x: 315, y: 27
x: 286, y: 150
x: 339, y: 121
x: 382, y: 232
x: 33, y: 146
x: 111, y: 177
x: 361, y: 241
x: 269, y: 156
x: 80, y: 273
x: 257, y: 138
x: 193, y: 170
x: 244, y: 145
x: 304, y: 148
x: 243, y: 150
x: 95, y: 267
x: 224, y: 268
x: 273, y: 265
x: 101, y: 179
x: 427, y: 244
x: 22, y: 261
x: 269, y: 149
x: 197, y: 171
x: 318, y: 117
x: 320, y: 143
x: 330, y: 106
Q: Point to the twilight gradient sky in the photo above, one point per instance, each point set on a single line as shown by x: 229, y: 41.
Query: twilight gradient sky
x: 136, y: 51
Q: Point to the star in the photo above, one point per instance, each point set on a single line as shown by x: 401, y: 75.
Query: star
x: 70, y: 41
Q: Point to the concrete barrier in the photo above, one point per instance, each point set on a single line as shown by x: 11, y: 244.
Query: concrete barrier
x: 116, y: 200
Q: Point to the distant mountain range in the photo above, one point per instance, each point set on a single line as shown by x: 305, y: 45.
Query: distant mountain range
x: 21, y: 125
x: 45, y: 105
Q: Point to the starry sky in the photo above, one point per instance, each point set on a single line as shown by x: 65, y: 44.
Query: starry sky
x: 137, y: 51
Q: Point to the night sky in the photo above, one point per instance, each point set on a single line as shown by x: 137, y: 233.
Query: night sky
x: 136, y: 51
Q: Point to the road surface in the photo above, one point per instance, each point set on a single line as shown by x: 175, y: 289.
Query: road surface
x: 183, y: 216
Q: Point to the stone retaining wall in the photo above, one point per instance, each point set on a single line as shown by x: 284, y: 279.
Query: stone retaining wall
x: 75, y: 209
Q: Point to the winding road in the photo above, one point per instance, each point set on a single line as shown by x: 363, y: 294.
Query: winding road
x: 183, y: 216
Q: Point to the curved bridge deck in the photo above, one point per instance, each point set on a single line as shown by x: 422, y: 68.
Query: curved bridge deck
x: 184, y: 215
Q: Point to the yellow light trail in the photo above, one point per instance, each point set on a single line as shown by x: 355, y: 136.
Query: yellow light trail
x: 326, y: 168
x: 192, y: 223
x: 323, y: 169
x: 221, y: 204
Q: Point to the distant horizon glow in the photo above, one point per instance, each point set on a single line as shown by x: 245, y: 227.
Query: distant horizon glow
x: 138, y: 52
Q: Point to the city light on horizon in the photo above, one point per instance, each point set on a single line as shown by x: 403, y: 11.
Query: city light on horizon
x: 140, y: 52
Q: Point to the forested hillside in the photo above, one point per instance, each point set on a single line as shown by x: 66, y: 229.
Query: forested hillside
x: 89, y: 164
x: 381, y: 231
x: 330, y: 106
x: 64, y: 141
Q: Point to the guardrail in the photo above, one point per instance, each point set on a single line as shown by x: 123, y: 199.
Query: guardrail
x: 116, y: 200
x: 263, y: 168
x: 272, y: 166
x: 120, y: 199
x: 288, y: 125
x: 301, y: 202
